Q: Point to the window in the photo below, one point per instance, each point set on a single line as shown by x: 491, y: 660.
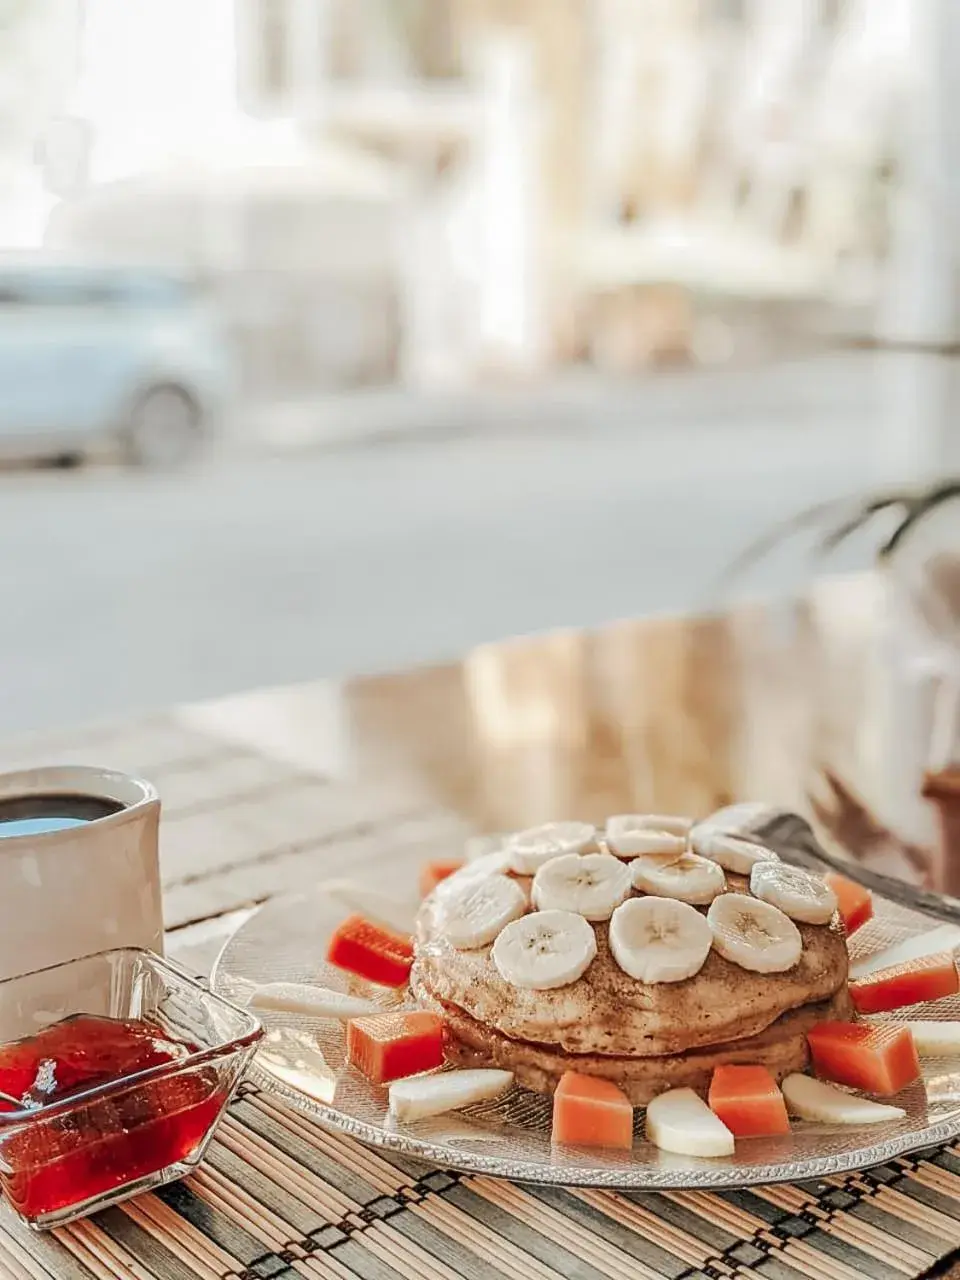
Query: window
x: 274, y: 32
x: 263, y: 52
x: 64, y: 289
x: 82, y: 288
x: 151, y: 291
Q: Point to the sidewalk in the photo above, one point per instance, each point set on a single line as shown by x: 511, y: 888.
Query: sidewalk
x: 568, y: 403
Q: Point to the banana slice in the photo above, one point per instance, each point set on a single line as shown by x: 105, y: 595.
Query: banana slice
x: 631, y: 834
x: 474, y: 910
x: 658, y: 940
x: 936, y: 1039
x: 690, y: 879
x: 754, y: 934
x: 740, y: 818
x: 946, y: 937
x: 681, y: 1122
x: 648, y: 843
x: 622, y: 823
x: 529, y: 850
x: 814, y: 1100
x: 733, y: 853
x: 379, y: 907
x: 309, y: 1001
x: 591, y: 884
x: 545, y: 949
x: 419, y: 1097
x: 801, y: 895
x: 487, y: 864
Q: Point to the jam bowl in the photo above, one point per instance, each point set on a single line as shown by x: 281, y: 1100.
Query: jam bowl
x: 120, y: 1065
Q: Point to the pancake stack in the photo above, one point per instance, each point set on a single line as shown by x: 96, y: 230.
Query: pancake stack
x: 573, y: 950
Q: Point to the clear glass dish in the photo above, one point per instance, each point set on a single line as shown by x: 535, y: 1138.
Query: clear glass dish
x: 64, y: 1159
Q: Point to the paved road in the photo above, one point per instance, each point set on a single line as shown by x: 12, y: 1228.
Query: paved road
x: 123, y: 592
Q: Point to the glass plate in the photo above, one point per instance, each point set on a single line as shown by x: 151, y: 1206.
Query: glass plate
x: 303, y: 1061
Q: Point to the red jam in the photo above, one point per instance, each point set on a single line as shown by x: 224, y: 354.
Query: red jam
x: 48, y: 1164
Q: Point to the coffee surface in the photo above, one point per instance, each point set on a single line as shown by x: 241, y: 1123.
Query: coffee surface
x: 37, y: 815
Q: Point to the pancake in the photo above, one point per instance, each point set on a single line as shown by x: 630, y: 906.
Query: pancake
x: 780, y: 1047
x: 609, y: 1014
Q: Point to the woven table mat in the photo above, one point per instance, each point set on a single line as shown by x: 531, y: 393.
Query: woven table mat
x: 278, y: 1197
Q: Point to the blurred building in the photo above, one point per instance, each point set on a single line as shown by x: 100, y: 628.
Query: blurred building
x: 438, y: 190
x: 292, y: 52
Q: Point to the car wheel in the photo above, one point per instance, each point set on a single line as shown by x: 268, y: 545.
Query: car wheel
x: 164, y: 428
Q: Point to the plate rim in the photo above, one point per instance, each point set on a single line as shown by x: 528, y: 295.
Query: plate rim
x: 644, y: 1177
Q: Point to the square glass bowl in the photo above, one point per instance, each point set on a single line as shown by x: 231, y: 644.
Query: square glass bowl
x: 65, y: 1159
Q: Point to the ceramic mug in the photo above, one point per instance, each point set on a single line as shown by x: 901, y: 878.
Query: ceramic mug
x: 91, y: 885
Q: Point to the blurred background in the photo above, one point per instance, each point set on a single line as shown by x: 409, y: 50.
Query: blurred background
x: 340, y: 335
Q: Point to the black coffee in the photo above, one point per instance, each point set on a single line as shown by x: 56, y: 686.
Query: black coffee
x: 37, y: 815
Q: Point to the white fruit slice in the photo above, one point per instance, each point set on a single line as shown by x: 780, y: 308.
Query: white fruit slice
x: 623, y: 823
x: 545, y: 949
x: 488, y: 864
x: 690, y: 879
x: 381, y: 908
x: 630, y: 834
x: 945, y: 937
x: 740, y: 818
x: 798, y: 893
x: 658, y: 940
x: 936, y: 1039
x: 754, y: 934
x: 681, y: 1122
x: 418, y: 1097
x: 814, y: 1100
x: 655, y: 843
x: 733, y: 853
x: 310, y: 1001
x: 591, y: 884
x: 529, y: 850
x: 472, y: 911
x: 677, y: 824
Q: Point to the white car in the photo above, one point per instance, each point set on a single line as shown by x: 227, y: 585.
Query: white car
x: 98, y: 359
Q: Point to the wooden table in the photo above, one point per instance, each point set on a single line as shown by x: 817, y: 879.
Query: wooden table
x: 268, y: 790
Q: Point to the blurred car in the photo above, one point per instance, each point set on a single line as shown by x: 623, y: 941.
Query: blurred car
x: 107, y: 359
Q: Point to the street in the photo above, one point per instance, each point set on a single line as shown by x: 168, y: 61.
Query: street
x: 125, y: 591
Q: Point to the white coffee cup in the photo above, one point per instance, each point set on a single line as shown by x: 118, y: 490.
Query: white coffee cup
x: 86, y: 888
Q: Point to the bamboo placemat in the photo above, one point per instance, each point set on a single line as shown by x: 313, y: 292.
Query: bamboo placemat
x: 278, y: 1197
